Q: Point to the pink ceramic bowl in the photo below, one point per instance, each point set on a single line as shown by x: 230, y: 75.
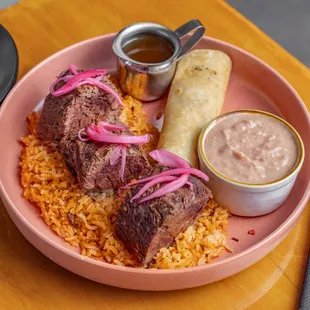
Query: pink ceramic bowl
x: 247, y: 89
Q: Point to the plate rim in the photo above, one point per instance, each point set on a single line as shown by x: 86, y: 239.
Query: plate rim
x: 272, y: 237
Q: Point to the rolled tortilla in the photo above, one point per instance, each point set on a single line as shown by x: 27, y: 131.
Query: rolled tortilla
x: 196, y: 96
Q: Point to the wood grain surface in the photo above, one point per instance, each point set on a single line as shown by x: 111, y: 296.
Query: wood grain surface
x: 28, y: 280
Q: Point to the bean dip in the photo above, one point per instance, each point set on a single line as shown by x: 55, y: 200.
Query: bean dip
x: 251, y: 148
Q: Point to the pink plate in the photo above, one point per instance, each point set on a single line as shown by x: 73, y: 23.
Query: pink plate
x: 253, y: 84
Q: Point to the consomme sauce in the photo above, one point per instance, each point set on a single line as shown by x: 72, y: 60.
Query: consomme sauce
x: 148, y: 48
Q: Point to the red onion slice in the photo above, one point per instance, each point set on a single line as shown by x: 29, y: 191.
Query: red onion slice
x: 80, y: 135
x: 191, y: 186
x: 82, y: 78
x: 169, y: 188
x: 181, y: 167
x: 108, y: 138
x: 176, y: 171
x: 101, y: 130
x: 106, y: 88
x: 72, y: 83
x: 123, y: 164
x: 109, y: 126
x: 64, y: 79
x: 169, y: 159
x: 152, y: 183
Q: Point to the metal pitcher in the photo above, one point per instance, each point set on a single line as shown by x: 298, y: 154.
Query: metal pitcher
x: 149, y: 81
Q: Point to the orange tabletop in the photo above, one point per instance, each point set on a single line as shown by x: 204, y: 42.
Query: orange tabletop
x: 28, y: 280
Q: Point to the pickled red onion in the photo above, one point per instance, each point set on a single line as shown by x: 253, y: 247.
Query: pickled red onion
x: 75, y: 80
x: 152, y: 183
x: 103, y: 132
x: 106, y: 88
x: 123, y: 163
x: 122, y: 139
x: 112, y: 126
x: 80, y: 135
x: 169, y: 159
x: 169, y: 188
x: 64, y: 79
x: 191, y: 186
x: 81, y: 76
x: 176, y: 171
x: 181, y: 168
x: 89, y: 77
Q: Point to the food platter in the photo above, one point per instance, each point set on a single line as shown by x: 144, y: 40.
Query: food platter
x: 253, y: 84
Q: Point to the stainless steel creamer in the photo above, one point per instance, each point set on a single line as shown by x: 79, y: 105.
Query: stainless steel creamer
x: 149, y: 81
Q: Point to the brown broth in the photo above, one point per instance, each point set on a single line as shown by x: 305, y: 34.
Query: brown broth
x: 148, y: 48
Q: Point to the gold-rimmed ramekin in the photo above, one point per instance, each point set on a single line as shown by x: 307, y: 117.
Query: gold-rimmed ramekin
x: 246, y: 199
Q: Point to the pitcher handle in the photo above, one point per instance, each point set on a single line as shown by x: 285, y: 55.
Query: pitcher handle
x: 194, y: 24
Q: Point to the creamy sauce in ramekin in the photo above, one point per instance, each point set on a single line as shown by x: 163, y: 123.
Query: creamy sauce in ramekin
x: 251, y: 148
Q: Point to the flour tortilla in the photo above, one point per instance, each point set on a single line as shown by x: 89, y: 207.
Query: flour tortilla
x: 196, y: 96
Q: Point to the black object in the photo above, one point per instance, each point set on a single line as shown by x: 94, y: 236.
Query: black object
x: 8, y: 63
x: 305, y: 295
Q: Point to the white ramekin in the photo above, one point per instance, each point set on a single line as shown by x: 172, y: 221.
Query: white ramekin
x: 249, y: 199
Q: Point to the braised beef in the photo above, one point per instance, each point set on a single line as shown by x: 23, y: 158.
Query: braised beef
x: 146, y: 227
x: 66, y: 115
x: 91, y: 163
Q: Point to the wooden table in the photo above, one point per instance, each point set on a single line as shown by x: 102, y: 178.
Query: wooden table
x: 28, y: 280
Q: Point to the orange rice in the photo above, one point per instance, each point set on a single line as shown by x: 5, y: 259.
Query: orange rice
x: 90, y: 224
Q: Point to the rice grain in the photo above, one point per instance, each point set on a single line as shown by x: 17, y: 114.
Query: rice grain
x: 90, y: 225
